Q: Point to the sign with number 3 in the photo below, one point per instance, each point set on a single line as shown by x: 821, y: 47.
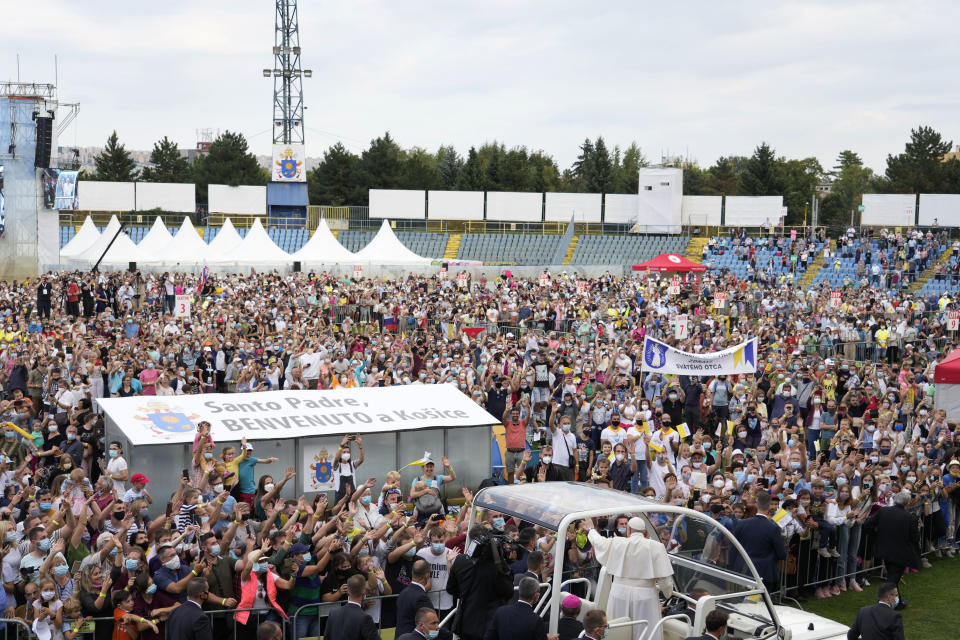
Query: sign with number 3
x: 182, y: 307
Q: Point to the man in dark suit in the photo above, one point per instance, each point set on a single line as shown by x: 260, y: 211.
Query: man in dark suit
x: 428, y: 626
x: 534, y: 564
x: 481, y: 587
x: 715, y: 626
x: 879, y: 621
x: 517, y: 621
x: 351, y: 622
x: 527, y: 539
x: 761, y: 539
x: 594, y: 624
x: 187, y: 622
x: 898, y: 539
x: 414, y: 597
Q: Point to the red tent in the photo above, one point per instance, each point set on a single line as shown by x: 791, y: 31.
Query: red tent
x: 948, y: 371
x: 670, y: 262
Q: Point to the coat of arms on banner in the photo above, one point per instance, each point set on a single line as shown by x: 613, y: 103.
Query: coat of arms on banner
x: 288, y: 163
x: 655, y: 355
x: 164, y: 420
x: 317, y: 459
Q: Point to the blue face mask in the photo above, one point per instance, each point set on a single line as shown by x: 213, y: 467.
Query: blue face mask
x: 307, y: 557
x: 208, y: 456
x: 884, y: 450
x: 433, y: 633
x: 45, y: 506
x: 622, y: 531
x: 260, y: 568
x: 794, y: 464
x: 61, y: 570
x: 771, y: 479
x: 233, y: 555
x: 11, y: 536
x: 44, y: 545
x: 738, y: 475
x: 499, y: 523
x: 409, y: 553
x: 365, y: 500
x: 215, y: 550
x: 791, y: 442
x: 751, y: 477
x: 130, y: 564
x: 152, y: 588
x: 113, y: 453
x: 437, y: 548
x: 707, y: 445
x: 113, y: 552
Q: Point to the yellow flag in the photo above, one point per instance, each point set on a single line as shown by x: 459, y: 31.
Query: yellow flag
x: 779, y: 515
x: 683, y: 430
x: 730, y: 427
x: 655, y: 447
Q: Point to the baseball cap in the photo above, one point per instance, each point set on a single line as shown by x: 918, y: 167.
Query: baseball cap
x: 297, y: 548
x: 139, y: 478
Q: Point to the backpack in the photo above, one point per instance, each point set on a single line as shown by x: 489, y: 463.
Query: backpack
x: 428, y: 504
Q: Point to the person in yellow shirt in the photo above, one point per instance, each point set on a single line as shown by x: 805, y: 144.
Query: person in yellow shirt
x: 232, y: 463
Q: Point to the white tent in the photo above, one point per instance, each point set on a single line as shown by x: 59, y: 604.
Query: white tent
x: 324, y: 248
x: 123, y: 251
x: 386, y: 248
x: 223, y: 243
x: 83, y: 240
x: 92, y: 253
x: 156, y: 240
x: 186, y: 248
x: 257, y: 248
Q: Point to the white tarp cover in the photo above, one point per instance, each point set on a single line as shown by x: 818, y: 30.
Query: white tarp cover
x: 515, y: 206
x: 276, y: 415
x: 455, y: 205
x: 944, y: 208
x: 246, y: 200
x: 386, y: 249
x: 187, y: 247
x: 82, y: 240
x: 156, y: 240
x: 106, y: 196
x: 123, y: 251
x: 257, y: 248
x: 398, y: 203
x: 702, y: 210
x: 223, y: 244
x: 324, y: 248
x: 99, y: 245
x: 888, y: 209
x: 167, y: 196
x: 660, y: 195
x: 621, y: 208
x: 582, y: 207
x: 753, y: 211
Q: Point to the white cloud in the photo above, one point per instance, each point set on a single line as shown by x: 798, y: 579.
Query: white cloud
x: 810, y: 78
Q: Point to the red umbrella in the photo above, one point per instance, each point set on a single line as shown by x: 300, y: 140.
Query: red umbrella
x: 670, y: 262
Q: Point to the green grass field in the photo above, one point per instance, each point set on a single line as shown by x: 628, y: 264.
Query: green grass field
x: 929, y: 594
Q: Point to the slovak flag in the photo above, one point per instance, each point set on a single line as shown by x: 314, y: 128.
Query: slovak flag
x: 390, y: 323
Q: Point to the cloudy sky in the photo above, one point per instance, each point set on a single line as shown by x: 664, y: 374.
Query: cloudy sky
x: 704, y: 78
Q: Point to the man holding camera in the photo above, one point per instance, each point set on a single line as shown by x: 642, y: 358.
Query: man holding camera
x: 482, y: 581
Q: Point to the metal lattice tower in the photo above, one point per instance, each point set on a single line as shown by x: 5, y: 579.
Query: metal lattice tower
x: 287, y: 75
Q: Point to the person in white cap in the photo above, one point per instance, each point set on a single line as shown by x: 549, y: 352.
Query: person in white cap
x: 640, y: 568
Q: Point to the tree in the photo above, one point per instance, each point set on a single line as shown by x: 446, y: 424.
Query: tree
x: 580, y: 172
x: 921, y: 168
x: 846, y: 159
x: 114, y: 162
x: 761, y: 175
x: 628, y: 170
x: 471, y: 178
x: 850, y: 182
x: 600, y: 175
x: 420, y: 170
x: 449, y: 164
x: 800, y: 179
x: 381, y: 165
x: 228, y: 162
x: 336, y: 180
x: 168, y: 165
x: 724, y: 177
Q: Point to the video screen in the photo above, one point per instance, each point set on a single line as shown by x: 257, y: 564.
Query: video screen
x: 66, y: 194
x: 50, y: 177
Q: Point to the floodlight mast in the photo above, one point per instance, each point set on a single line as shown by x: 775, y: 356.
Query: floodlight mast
x: 287, y: 75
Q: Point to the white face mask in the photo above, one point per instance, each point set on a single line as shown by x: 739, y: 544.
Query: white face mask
x: 546, y: 459
x: 718, y: 483
x: 345, y: 457
x: 217, y: 488
x: 268, y: 487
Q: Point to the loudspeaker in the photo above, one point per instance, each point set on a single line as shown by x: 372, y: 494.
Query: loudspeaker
x: 445, y: 266
x: 44, y: 140
x: 132, y: 266
x: 296, y: 266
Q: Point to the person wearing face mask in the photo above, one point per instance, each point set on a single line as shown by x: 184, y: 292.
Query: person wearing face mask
x: 783, y: 398
x: 345, y: 466
x: 116, y: 469
x: 564, y: 444
x: 897, y: 538
x: 439, y: 558
x: 428, y: 626
x: 880, y: 621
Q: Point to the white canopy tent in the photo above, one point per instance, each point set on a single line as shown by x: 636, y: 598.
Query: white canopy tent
x: 186, y: 248
x: 224, y: 243
x: 83, y: 239
x: 386, y: 249
x: 123, y: 251
x: 324, y: 248
x: 93, y: 252
x: 257, y: 248
x: 156, y: 240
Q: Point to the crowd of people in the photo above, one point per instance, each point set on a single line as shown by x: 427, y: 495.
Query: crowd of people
x: 838, y: 421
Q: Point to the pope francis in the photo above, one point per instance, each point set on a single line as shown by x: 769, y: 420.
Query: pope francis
x: 640, y: 568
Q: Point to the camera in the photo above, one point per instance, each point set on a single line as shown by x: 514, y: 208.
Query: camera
x: 494, y: 547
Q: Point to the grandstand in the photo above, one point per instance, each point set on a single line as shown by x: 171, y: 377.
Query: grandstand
x: 624, y: 250
x: 768, y: 258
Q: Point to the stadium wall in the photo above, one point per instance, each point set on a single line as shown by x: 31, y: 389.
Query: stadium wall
x: 942, y: 208
x: 243, y: 200
x: 168, y: 196
x: 889, y: 209
x: 401, y: 204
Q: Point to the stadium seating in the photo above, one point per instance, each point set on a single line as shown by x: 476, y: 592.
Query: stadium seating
x: 428, y: 245
x: 623, y: 250
x: 768, y: 260
x: 509, y: 248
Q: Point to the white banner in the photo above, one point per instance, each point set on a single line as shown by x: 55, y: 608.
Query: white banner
x: 544, y: 279
x: 719, y: 299
x: 662, y: 358
x: 835, y: 299
x: 953, y: 320
x: 181, y: 309
x: 357, y: 272
x: 681, y: 327
x: 289, y: 163
x: 318, y: 462
x: 273, y: 415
